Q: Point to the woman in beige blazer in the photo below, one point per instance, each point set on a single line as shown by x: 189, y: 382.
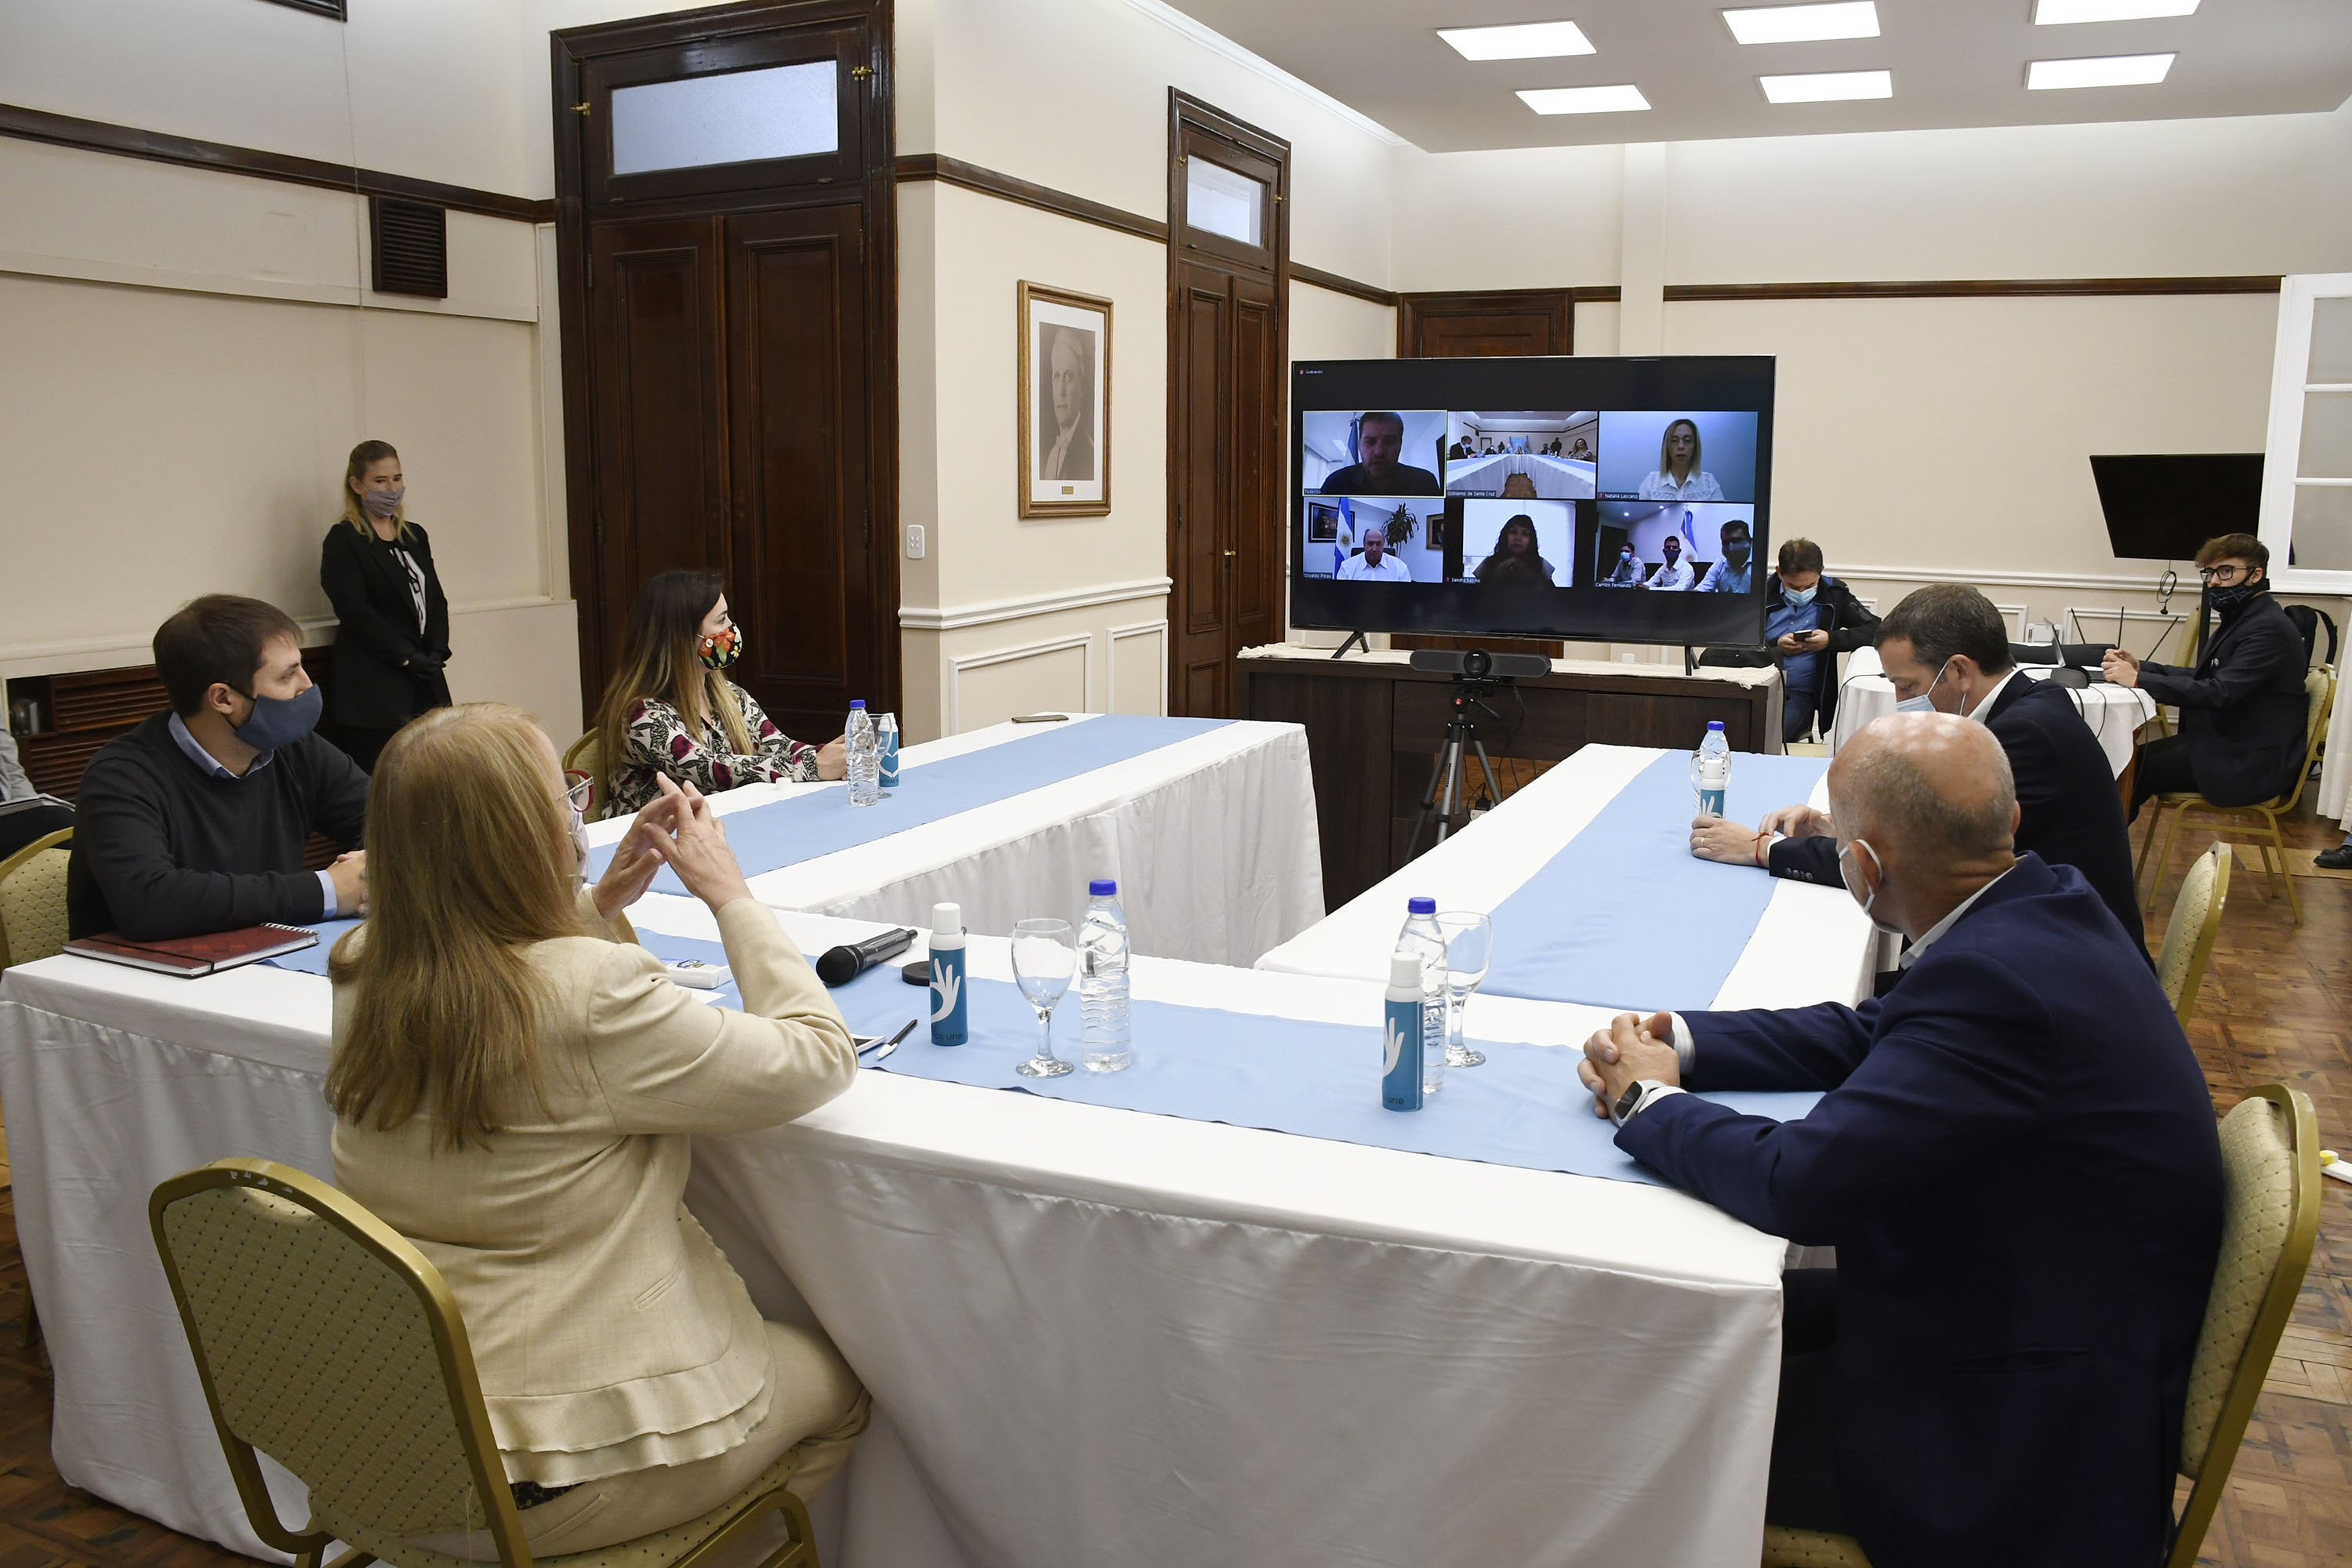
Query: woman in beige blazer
x: 515, y: 1084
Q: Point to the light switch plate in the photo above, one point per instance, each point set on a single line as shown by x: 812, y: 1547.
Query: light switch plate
x: 914, y: 541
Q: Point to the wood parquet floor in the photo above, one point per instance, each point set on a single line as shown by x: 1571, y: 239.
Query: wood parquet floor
x: 2276, y: 1004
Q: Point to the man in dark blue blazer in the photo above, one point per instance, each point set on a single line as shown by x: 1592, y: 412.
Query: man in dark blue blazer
x: 2014, y: 1155
x: 1948, y: 646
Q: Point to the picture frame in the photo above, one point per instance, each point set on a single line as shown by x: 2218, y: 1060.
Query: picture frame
x: 1322, y: 523
x: 1063, y: 402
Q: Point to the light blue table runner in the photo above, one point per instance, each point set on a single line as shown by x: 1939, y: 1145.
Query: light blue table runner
x: 313, y: 960
x: 1624, y: 915
x: 1523, y: 1108
x: 787, y: 832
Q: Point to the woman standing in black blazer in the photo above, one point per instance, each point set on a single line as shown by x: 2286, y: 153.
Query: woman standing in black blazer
x: 377, y: 569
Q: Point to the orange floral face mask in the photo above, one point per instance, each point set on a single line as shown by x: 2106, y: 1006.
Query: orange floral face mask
x: 719, y: 652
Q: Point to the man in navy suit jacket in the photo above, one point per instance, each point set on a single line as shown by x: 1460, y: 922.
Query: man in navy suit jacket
x: 2014, y: 1155
x: 1947, y: 643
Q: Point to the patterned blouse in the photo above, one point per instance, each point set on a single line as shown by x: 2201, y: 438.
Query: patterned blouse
x: 660, y: 743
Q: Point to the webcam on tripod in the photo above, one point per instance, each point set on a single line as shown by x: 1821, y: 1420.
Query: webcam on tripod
x: 1477, y: 664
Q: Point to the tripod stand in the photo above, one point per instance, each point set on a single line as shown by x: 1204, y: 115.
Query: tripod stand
x: 1445, y: 797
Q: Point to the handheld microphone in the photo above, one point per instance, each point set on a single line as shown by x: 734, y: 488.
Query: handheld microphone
x: 840, y: 966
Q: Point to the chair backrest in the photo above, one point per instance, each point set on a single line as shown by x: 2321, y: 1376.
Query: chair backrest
x: 579, y: 759
x: 2319, y: 699
x: 2189, y: 934
x: 2270, y: 1216
x: 326, y: 1341
x: 32, y: 899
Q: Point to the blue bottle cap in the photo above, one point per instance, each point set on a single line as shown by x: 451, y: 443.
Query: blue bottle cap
x: 1101, y: 888
x: 1711, y: 723
x: 1420, y: 906
x: 857, y: 702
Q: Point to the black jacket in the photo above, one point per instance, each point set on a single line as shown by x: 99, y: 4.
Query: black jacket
x: 373, y: 686
x: 2243, y: 707
x: 161, y: 850
x: 2015, y: 1158
x: 1850, y: 625
x: 2069, y: 811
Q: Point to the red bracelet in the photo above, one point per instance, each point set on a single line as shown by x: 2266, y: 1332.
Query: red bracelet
x: 1761, y: 834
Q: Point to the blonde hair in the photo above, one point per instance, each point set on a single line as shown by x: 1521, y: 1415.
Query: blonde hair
x: 469, y: 863
x: 1666, y: 443
x: 658, y: 660
x: 365, y: 456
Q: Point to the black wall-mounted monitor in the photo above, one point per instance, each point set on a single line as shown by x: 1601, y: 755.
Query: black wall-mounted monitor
x: 1596, y: 500
x: 2162, y: 507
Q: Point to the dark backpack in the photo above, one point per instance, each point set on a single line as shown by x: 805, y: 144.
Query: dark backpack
x: 2308, y: 621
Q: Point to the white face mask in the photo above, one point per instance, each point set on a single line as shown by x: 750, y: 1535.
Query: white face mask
x: 580, y: 848
x: 1925, y: 701
x: 1871, y: 898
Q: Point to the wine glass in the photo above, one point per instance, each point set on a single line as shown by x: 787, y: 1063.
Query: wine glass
x: 1044, y: 958
x: 1469, y: 950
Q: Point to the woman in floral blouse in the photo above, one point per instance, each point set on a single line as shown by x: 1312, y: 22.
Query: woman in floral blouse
x: 670, y: 708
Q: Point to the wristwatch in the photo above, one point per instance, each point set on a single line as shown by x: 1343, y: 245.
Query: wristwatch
x: 1631, y: 1100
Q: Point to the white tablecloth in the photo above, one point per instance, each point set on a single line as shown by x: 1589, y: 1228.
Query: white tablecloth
x: 1813, y: 943
x: 2114, y: 713
x: 1093, y: 1336
x: 1211, y: 840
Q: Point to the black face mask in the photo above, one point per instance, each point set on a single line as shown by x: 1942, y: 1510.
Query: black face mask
x: 2236, y: 594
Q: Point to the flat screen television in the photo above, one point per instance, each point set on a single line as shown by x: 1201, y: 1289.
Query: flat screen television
x: 2162, y: 507
x: 1595, y: 499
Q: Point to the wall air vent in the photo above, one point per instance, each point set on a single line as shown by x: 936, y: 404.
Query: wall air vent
x: 411, y: 245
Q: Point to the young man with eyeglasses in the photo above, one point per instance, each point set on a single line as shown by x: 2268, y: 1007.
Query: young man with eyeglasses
x: 2242, y: 711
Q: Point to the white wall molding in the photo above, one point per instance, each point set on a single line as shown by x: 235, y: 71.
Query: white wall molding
x: 1083, y: 642
x: 86, y: 269
x: 117, y: 652
x: 1156, y: 630
x: 2110, y: 582
x: 916, y: 619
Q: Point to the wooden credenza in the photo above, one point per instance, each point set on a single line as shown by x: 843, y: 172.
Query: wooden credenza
x: 1374, y: 727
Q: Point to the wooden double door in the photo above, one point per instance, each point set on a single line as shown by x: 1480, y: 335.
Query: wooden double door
x: 729, y: 376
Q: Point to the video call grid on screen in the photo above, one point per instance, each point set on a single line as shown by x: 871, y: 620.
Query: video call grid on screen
x: 1504, y: 497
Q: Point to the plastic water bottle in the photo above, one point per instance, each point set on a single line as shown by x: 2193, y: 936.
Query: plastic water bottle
x: 1711, y: 769
x: 865, y: 757
x: 1102, y: 980
x: 1422, y: 938
x: 886, y: 739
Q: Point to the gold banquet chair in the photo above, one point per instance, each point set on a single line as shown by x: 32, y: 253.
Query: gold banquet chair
x: 32, y: 899
x: 579, y: 759
x: 2261, y: 820
x: 2270, y: 1217
x: 2189, y: 934
x: 324, y: 1340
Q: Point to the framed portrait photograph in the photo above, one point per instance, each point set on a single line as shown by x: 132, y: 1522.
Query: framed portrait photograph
x: 1322, y: 523
x: 1064, y: 403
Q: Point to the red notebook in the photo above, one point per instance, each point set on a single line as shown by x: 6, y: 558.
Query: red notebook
x: 194, y: 955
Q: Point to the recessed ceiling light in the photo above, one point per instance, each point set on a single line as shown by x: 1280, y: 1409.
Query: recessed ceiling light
x: 2061, y: 13
x: 1584, y: 99
x: 2106, y: 71
x: 1520, y: 41
x: 1805, y: 24
x: 1828, y: 86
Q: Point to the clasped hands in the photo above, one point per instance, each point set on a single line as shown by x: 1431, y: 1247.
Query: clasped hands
x: 1630, y: 1049
x: 680, y: 831
x: 2120, y: 667
x: 1719, y: 838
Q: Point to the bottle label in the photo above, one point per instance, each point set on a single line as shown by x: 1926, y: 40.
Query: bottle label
x: 890, y: 769
x: 1710, y: 802
x: 1401, y: 1056
x: 948, y: 998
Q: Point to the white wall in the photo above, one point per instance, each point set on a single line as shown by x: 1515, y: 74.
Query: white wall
x: 188, y: 356
x: 1008, y: 616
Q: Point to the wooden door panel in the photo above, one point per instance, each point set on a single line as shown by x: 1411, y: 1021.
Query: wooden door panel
x: 1258, y: 557
x: 1201, y: 433
x: 1487, y: 324
x: 656, y: 396
x: 796, y: 357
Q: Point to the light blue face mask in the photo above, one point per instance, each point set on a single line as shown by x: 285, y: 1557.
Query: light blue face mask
x: 1872, y: 898
x: 1925, y: 701
x: 1799, y: 598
